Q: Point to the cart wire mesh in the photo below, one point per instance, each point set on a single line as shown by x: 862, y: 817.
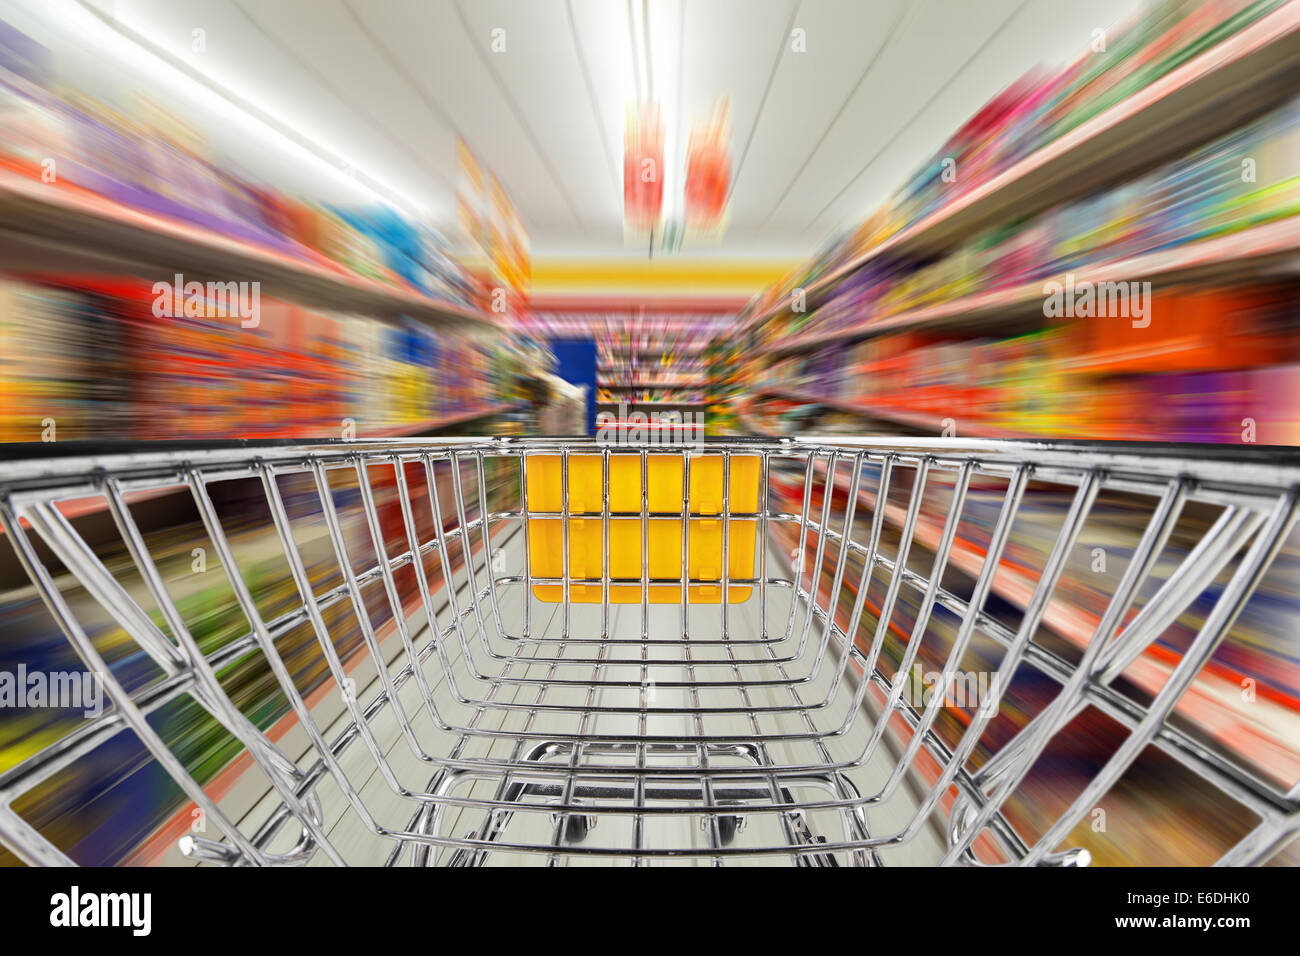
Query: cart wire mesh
x: 439, y: 712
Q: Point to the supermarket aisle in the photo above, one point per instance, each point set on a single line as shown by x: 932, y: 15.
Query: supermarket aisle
x: 1070, y: 221
x: 621, y: 664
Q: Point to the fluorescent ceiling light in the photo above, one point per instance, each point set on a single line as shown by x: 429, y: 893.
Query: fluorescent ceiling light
x: 96, y: 27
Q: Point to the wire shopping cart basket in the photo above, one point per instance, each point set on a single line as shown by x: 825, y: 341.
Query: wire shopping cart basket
x: 501, y: 651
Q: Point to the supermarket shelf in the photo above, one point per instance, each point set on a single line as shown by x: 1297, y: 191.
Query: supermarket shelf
x: 688, y: 383
x: 624, y: 366
x: 1221, y: 258
x: 322, y: 705
x: 750, y: 426
x: 432, y: 425
x: 80, y: 507
x: 1265, y: 739
x: 44, y: 225
x: 690, y: 404
x: 721, y: 307
x: 1215, y: 91
x: 656, y: 352
x: 674, y: 426
x: 925, y: 421
x: 926, y: 766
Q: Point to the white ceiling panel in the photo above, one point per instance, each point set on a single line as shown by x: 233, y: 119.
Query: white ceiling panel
x: 326, y: 41
x: 916, y: 71
x: 1007, y: 39
x: 730, y: 51
x: 841, y: 43
x: 541, y: 76
x: 819, y: 138
x: 446, y: 64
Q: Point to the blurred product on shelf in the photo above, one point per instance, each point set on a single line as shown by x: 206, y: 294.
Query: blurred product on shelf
x: 1050, y: 271
x: 726, y: 366
x: 1157, y: 307
x: 1247, y: 178
x: 137, y: 155
x: 104, y: 808
x: 91, y: 356
x: 566, y: 408
x: 1210, y: 360
x: 1259, y: 652
x: 1033, y: 112
x: 653, y: 381
x: 774, y: 415
x: 649, y: 364
x: 621, y: 332
x: 1042, y: 107
x: 654, y: 396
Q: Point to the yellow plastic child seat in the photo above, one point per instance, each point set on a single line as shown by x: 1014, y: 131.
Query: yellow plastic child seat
x: 664, y: 480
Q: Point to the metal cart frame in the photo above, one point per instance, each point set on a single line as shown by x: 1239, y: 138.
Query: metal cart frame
x: 600, y: 769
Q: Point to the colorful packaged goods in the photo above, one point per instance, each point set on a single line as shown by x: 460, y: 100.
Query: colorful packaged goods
x: 84, y: 357
x: 1206, y: 194
x: 129, y: 149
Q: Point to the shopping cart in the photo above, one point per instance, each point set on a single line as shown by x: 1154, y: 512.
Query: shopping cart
x: 561, y: 650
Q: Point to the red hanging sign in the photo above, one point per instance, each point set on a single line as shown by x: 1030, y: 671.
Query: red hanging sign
x: 643, y: 162
x: 708, y: 169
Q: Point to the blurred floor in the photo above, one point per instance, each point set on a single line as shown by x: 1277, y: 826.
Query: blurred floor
x: 252, y: 800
